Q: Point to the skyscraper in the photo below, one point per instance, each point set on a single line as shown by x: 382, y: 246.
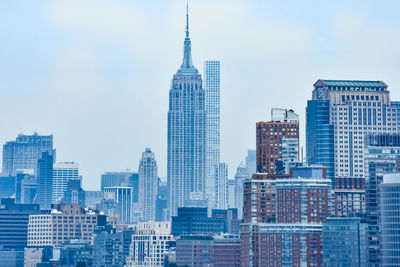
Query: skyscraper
x: 148, y: 184
x: 221, y: 186
x: 122, y: 196
x: 186, y: 133
x: 339, y: 115
x: 24, y: 152
x: 45, y: 180
x: 396, y: 104
x: 389, y: 220
x: 63, y: 172
x: 278, y: 142
x: 212, y: 105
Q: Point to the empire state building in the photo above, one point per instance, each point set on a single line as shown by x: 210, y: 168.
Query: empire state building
x: 186, y: 134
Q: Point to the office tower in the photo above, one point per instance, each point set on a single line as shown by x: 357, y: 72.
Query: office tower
x: 339, y: 115
x: 24, y: 152
x: 194, y: 250
x: 344, y: 242
x: 7, y: 186
x: 381, y: 155
x: 212, y: 106
x: 150, y: 243
x: 231, y: 194
x: 111, y: 247
x: 230, y: 217
x: 64, y: 223
x: 349, y: 196
x: 45, y: 180
x: 186, y: 134
x: 112, y: 179
x: 63, y: 172
x: 37, y: 257
x: 122, y: 196
x: 193, y: 220
x: 74, y: 194
x: 148, y: 185
x: 389, y: 220
x: 72, y: 254
x: 396, y: 104
x: 278, y: 142
x: 251, y: 161
x: 225, y: 250
x: 242, y: 173
x: 221, y: 186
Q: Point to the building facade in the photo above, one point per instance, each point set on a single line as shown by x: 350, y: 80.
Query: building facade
x: 278, y: 142
x: 389, y: 220
x: 212, y: 106
x: 63, y: 172
x: 221, y: 186
x: 123, y: 199
x: 24, y: 152
x: 45, y: 180
x: 150, y: 244
x: 148, y: 185
x: 186, y: 169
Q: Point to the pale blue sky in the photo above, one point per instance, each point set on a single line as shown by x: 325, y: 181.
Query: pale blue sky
x: 96, y: 73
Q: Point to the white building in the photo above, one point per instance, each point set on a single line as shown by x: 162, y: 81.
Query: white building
x: 221, y: 186
x: 63, y: 172
x: 148, y: 185
x: 212, y: 103
x: 150, y: 244
x: 123, y: 197
x: 231, y: 194
x: 63, y: 224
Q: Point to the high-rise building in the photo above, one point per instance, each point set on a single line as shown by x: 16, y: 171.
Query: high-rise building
x: 45, y: 180
x: 251, y: 161
x: 344, y: 242
x: 24, y: 152
x: 186, y: 134
x: 278, y: 142
x: 242, y: 173
x: 349, y: 196
x: 339, y: 116
x: 221, y: 186
x: 92, y: 198
x: 231, y: 193
x: 63, y: 172
x: 66, y: 222
x: 7, y: 186
x: 122, y: 196
x: 74, y: 194
x: 225, y: 250
x: 194, y: 250
x: 389, y: 220
x: 150, y: 244
x: 381, y: 155
x: 396, y: 104
x: 148, y: 185
x: 28, y: 189
x: 212, y: 106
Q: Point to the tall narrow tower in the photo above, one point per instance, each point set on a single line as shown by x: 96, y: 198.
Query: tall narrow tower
x: 148, y: 185
x: 186, y: 134
x: 212, y: 102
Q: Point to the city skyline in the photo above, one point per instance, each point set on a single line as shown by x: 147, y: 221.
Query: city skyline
x: 85, y: 107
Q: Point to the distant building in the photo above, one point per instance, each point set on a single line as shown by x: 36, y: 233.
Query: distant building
x: 396, y: 104
x: 63, y: 172
x: 231, y: 184
x: 92, y: 198
x: 381, y: 155
x: 186, y: 170
x: 349, y: 196
x: 339, y: 116
x: 278, y: 142
x: 344, y: 242
x: 72, y: 254
x: 66, y: 222
x: 230, y: 217
x: 221, y: 182
x: 123, y: 197
x: 150, y: 243
x: 194, y: 250
x: 7, y: 186
x: 148, y: 185
x: 111, y: 248
x: 389, y: 220
x: 212, y: 106
x: 25, y: 151
x: 74, y: 193
x: 28, y: 189
x: 116, y: 179
x: 45, y: 180
x: 242, y: 173
x: 161, y: 207
x: 251, y: 161
x: 34, y: 256
x: 225, y: 251
x: 191, y: 220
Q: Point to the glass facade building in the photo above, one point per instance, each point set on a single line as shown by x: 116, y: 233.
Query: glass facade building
x: 389, y: 207
x: 396, y: 104
x: 344, y: 242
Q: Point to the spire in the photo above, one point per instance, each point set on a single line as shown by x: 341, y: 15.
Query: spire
x: 187, y: 54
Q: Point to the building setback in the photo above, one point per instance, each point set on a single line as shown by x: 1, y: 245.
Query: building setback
x: 186, y: 169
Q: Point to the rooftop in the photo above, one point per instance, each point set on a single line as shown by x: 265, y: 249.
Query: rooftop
x: 350, y: 83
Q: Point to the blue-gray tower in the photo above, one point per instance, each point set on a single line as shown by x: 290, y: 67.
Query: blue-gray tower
x: 186, y: 134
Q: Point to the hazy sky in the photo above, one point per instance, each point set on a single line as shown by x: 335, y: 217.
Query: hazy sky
x: 96, y: 74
